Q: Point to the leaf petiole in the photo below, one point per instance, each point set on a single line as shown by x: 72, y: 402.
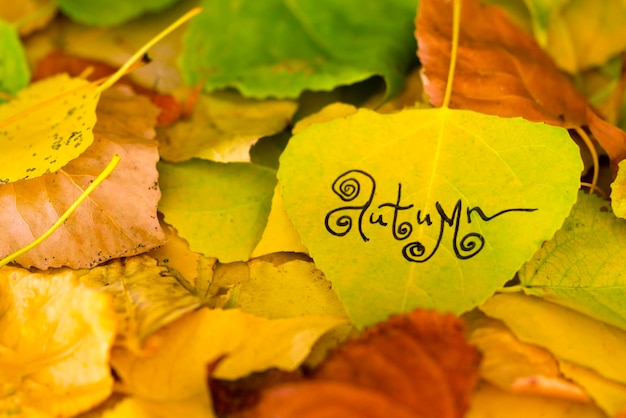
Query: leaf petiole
x: 141, y: 51
x: 84, y: 195
x: 456, y: 24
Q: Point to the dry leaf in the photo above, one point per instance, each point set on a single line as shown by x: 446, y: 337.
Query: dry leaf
x: 55, y: 336
x: 500, y: 69
x: 118, y: 219
x: 146, y: 296
x: 414, y: 365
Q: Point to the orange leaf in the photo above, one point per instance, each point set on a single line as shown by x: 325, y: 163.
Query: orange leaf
x: 118, y: 219
x: 500, y: 69
x: 413, y: 365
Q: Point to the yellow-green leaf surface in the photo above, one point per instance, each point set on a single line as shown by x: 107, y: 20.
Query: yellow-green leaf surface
x: 223, y: 127
x: 582, y: 266
x: 428, y: 208
x: 569, y: 335
x: 55, y: 337
x: 618, y: 191
x: 583, y: 34
x: 146, y: 296
x: 46, y: 126
x: 220, y: 209
x: 174, y: 373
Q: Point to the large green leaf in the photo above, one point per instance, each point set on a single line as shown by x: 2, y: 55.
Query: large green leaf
x: 109, y: 13
x: 281, y: 47
x: 220, y: 209
x: 582, y: 267
x: 14, y: 71
x: 465, y: 199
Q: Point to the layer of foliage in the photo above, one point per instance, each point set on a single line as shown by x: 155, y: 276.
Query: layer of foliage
x: 321, y: 208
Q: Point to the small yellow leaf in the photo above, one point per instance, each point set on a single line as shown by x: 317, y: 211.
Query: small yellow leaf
x: 175, y: 370
x: 49, y: 124
x: 55, y: 337
x: 279, y: 234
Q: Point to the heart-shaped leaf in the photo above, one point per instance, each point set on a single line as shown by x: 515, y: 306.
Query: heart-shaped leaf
x: 426, y: 208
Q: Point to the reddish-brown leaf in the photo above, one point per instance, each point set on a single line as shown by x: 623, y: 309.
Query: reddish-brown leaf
x: 414, y: 365
x: 118, y: 219
x: 500, y: 70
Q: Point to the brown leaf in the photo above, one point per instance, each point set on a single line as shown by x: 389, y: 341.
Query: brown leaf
x: 414, y: 365
x: 118, y: 219
x: 500, y: 69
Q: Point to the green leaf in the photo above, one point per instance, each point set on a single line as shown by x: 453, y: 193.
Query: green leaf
x: 110, y: 13
x: 492, y: 189
x: 582, y: 266
x: 220, y: 209
x: 14, y: 71
x: 279, y: 48
x: 569, y: 335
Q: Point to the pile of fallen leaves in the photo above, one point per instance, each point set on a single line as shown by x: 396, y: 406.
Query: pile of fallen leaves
x: 313, y: 208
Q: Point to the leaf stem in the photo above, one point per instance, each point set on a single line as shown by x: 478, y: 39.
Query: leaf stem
x: 594, y: 156
x: 456, y: 26
x: 141, y: 51
x: 103, y: 175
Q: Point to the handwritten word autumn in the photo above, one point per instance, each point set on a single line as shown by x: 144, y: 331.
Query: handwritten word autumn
x: 357, y: 189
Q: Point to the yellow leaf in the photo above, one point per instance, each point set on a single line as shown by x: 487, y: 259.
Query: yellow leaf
x: 46, y: 126
x: 491, y: 402
x: 608, y: 394
x: 569, y: 335
x: 511, y: 365
x: 175, y: 371
x: 223, y: 127
x: 279, y: 234
x: 28, y: 15
x: 146, y: 296
x: 55, y: 336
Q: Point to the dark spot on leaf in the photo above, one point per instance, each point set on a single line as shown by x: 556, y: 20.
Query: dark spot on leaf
x: 604, y: 209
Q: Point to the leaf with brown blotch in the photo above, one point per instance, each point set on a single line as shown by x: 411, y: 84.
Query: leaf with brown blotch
x: 118, y: 219
x: 500, y: 69
x: 413, y: 365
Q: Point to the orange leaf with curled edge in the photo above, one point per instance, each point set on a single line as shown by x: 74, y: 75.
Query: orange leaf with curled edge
x: 413, y: 365
x: 500, y: 69
x: 118, y: 219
